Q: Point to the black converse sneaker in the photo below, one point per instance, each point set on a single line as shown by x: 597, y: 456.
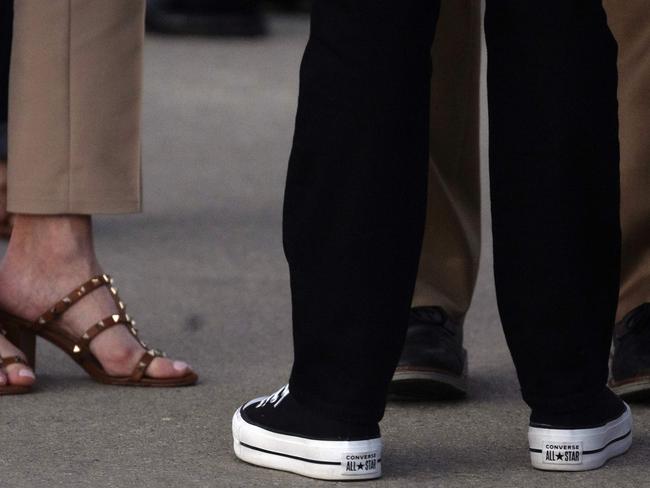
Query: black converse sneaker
x: 276, y: 432
x: 581, y: 441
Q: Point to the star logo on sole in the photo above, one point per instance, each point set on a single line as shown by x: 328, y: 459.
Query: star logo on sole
x: 554, y: 452
x: 360, y: 463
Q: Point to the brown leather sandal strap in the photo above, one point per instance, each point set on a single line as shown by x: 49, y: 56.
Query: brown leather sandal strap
x: 71, y: 298
x: 144, y: 362
x: 116, y: 298
x: 83, y: 344
x: 6, y: 361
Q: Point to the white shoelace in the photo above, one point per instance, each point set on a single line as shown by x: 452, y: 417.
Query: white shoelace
x: 276, y: 398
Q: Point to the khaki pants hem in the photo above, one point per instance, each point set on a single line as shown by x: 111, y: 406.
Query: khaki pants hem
x: 55, y: 206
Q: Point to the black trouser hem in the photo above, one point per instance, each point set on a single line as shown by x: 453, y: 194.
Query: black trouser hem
x: 567, y: 403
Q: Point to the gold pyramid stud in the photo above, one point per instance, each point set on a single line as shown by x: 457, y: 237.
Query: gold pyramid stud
x: 66, y: 300
x: 100, y: 324
x: 76, y: 349
x: 113, y: 291
x: 41, y: 320
x: 106, y: 278
x: 115, y: 318
x: 121, y: 305
x: 85, y: 337
x: 95, y: 281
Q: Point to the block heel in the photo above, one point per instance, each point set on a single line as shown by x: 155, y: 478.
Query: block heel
x: 23, y: 339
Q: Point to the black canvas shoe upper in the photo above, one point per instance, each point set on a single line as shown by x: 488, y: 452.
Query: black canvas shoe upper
x: 280, y: 413
x: 433, y: 341
x: 604, y: 408
x: 632, y: 345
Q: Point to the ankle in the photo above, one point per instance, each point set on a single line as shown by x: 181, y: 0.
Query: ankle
x: 50, y: 240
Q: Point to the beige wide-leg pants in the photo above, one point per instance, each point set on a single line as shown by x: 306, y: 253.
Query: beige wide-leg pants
x: 630, y: 24
x: 450, y: 254
x: 452, y: 238
x: 74, y: 107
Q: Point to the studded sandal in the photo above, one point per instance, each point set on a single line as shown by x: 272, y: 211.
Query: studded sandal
x: 24, y: 332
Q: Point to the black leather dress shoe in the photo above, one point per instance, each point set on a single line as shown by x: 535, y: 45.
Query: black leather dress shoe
x: 433, y: 363
x: 630, y: 373
x: 206, y: 17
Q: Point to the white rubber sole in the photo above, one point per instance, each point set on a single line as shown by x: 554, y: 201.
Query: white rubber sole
x: 636, y: 386
x: 325, y: 460
x: 433, y: 377
x: 580, y: 449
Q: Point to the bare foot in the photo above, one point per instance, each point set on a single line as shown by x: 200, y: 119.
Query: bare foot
x: 48, y: 257
x: 14, y: 374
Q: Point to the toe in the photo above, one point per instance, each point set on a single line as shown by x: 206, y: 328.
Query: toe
x: 167, y: 368
x: 3, y: 378
x: 20, y: 375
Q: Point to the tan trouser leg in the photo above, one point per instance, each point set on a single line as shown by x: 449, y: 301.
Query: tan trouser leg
x: 75, y: 96
x: 630, y: 23
x: 450, y: 254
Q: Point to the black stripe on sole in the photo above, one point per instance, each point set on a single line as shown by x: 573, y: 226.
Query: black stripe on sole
x: 595, y: 451
x: 313, y: 461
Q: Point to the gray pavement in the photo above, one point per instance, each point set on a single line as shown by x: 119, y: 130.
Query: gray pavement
x: 203, y: 272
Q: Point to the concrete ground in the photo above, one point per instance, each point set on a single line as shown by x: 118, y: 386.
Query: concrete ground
x: 203, y: 272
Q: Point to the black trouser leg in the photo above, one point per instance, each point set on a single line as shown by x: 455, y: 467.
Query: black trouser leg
x: 555, y: 193
x: 6, y: 30
x: 355, y: 198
